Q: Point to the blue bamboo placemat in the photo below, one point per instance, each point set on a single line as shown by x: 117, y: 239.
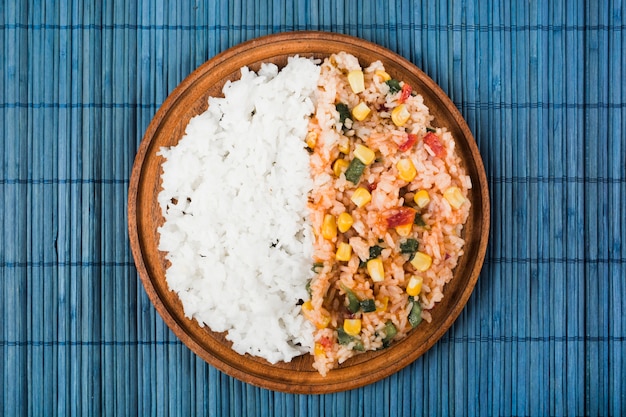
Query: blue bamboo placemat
x: 542, y: 86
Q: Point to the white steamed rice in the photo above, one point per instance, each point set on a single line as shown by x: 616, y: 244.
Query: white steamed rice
x: 239, y: 261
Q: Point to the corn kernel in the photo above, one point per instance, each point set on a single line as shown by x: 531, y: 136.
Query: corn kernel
x: 323, y: 322
x: 400, y: 115
x: 414, y: 286
x: 329, y: 227
x: 376, y: 270
x: 344, y: 145
x: 352, y: 326
x: 365, y: 154
x: 421, y: 261
x: 356, y: 80
x: 311, y: 139
x: 361, y: 197
x: 406, y: 169
x: 454, y: 196
x: 421, y: 198
x: 344, y: 252
x: 344, y: 222
x: 319, y: 350
x: 360, y: 111
x: 384, y: 302
x: 383, y: 75
x: 404, y: 230
x: 340, y: 166
x: 307, y: 311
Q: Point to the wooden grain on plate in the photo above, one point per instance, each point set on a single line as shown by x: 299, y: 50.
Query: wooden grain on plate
x: 144, y: 215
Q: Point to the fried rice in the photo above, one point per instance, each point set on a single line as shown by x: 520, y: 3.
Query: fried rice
x: 388, y: 205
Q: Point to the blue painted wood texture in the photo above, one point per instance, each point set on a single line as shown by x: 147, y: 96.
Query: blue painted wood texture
x: 542, y: 86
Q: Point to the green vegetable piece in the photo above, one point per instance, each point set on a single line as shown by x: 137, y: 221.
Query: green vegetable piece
x: 394, y: 86
x: 390, y: 332
x: 345, y: 339
x: 354, y: 304
x: 308, y: 288
x: 418, y: 221
x: 415, y: 315
x: 368, y: 305
x: 344, y: 112
x: 375, y: 251
x: 409, y: 246
x: 317, y: 266
x: 342, y: 337
x: 431, y: 130
x: 355, y: 170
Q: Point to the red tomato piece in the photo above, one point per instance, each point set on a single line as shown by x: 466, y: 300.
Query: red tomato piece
x: 399, y: 216
x: 408, y: 144
x: 326, y: 342
x: 434, y: 144
x: 405, y: 93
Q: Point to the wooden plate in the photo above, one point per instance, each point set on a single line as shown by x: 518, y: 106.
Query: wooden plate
x: 144, y: 215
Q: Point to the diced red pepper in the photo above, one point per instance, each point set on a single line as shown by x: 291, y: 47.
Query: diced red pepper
x: 405, y: 93
x: 326, y: 342
x: 372, y: 186
x: 434, y: 144
x: 408, y: 144
x: 399, y: 216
